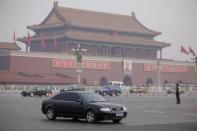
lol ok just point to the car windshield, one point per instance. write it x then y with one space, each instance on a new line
92 97
32 89
72 86
116 88
103 88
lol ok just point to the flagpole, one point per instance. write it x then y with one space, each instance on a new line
159 68
14 37
196 64
29 40
195 57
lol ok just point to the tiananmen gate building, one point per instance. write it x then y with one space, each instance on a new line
118 47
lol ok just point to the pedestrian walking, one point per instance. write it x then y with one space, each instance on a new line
177 94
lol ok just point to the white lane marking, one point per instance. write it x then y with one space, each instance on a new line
190 114
159 112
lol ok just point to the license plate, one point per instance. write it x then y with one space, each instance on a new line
119 113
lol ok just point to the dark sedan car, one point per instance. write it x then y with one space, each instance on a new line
36 91
84 105
109 90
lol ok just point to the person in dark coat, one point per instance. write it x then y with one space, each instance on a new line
177 94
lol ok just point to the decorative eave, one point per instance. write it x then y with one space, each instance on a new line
154 33
37 38
99 37
115 39
41 27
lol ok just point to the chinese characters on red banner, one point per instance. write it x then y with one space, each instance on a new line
59 63
167 68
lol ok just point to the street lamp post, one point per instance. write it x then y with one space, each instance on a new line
196 63
194 59
79 59
159 69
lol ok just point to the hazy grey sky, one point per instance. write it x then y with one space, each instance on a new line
176 19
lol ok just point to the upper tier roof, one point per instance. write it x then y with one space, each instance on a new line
60 16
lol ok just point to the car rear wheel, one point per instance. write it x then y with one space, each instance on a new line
50 114
91 116
117 121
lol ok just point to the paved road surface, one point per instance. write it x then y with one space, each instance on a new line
144 113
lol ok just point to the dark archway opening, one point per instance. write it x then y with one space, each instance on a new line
127 80
103 81
84 81
149 82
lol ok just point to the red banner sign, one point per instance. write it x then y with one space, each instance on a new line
59 63
167 68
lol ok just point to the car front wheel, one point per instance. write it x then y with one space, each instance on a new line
50 114
91 116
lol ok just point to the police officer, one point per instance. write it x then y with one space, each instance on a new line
177 94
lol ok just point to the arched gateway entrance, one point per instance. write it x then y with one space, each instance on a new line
127 80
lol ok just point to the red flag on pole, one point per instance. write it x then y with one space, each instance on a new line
14 37
183 50
42 40
29 39
192 51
